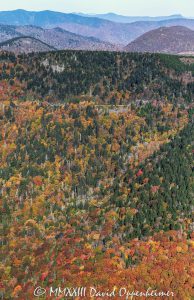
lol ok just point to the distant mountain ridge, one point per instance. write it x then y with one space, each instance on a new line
44 18
118 33
130 19
174 40
25 44
55 38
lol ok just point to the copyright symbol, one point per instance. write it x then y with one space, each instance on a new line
39 291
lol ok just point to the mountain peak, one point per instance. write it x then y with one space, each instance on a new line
175 40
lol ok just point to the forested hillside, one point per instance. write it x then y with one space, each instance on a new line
92 187
112 78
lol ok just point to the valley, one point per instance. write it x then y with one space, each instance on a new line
96 171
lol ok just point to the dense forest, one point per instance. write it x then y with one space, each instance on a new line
110 77
92 184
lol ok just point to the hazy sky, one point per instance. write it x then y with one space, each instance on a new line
125 7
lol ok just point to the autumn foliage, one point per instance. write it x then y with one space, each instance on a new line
93 194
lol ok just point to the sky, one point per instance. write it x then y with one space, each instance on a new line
124 7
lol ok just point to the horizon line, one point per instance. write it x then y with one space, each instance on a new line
96 14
